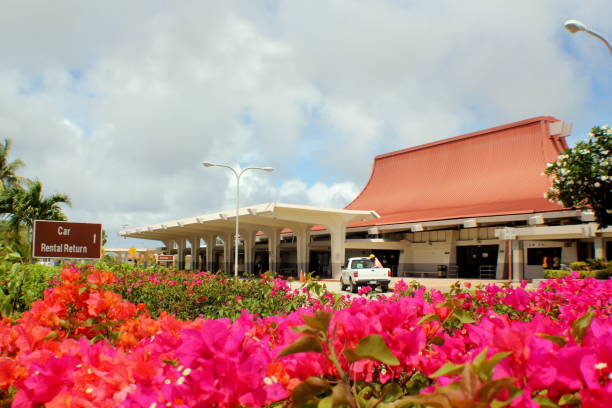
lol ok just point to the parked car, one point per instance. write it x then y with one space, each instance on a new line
361 272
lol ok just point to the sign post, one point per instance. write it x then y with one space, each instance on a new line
62 239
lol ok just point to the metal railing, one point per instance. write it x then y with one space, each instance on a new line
487 271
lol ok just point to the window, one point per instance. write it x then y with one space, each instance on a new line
363 264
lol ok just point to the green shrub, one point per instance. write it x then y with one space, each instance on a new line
604 273
556 273
189 295
579 266
23 284
598 263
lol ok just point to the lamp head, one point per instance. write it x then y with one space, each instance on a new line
207 164
267 169
573 26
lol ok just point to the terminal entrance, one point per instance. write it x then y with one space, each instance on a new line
388 258
477 261
320 264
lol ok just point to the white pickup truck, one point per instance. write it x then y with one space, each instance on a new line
361 272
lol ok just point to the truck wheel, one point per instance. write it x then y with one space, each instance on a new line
384 288
354 287
342 285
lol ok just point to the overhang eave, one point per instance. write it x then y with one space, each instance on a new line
254 218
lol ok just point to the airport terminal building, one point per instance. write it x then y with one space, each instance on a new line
471 206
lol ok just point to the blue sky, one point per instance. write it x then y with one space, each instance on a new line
116 104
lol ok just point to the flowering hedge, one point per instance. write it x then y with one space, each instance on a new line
83 345
184 294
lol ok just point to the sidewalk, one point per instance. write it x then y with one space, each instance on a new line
441 284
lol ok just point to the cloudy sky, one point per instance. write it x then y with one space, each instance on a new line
116 103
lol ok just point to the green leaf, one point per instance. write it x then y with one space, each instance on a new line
581 325
429 400
82 289
319 321
374 347
350 355
303 344
569 399
545 402
309 389
303 329
325 402
428 318
96 339
391 391
491 389
558 340
485 370
51 335
448 369
171 362
464 316
480 358
341 395
437 340
514 392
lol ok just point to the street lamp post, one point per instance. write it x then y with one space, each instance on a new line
574 26
238 175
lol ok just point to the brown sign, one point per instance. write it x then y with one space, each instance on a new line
165 258
61 239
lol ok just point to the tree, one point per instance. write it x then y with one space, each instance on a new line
24 205
7 170
582 176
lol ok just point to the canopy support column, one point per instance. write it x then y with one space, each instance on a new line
195 254
273 248
517 260
599 249
302 233
181 253
337 237
227 252
249 250
210 251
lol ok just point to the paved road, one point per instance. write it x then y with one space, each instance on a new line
430 283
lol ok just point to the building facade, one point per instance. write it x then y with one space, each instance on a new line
471 206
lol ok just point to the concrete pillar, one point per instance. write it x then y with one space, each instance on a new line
453 238
273 248
517 260
249 250
211 240
182 244
302 233
599 248
402 263
228 238
169 245
195 254
337 232
501 259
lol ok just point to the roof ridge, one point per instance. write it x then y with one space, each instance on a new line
469 135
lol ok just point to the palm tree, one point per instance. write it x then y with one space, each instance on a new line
7 170
24 206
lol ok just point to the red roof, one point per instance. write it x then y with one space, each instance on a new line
495 171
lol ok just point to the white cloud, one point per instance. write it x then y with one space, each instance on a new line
116 104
